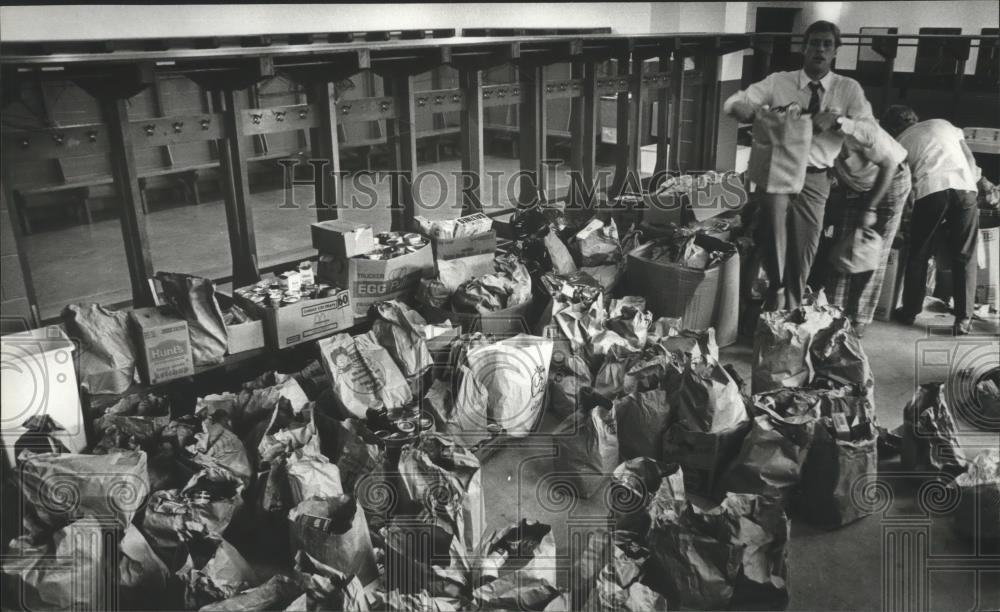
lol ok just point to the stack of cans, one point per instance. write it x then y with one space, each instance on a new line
395 244
275 293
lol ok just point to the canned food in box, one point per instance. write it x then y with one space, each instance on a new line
406 426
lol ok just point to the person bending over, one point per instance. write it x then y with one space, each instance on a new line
945 177
872 170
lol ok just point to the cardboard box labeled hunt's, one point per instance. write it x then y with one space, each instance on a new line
164 345
304 320
377 280
343 238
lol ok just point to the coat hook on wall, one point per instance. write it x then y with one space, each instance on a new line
205 123
178 127
279 115
257 118
150 129
92 136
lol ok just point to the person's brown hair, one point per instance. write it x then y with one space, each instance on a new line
822 26
897 118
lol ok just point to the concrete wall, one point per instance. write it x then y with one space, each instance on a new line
970 15
99 22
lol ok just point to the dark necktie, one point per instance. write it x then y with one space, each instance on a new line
814 100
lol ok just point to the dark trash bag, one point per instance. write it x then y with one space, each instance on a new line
834 468
979 496
39 437
642 419
587 449
929 433
194 298
774 451
730 557
107 355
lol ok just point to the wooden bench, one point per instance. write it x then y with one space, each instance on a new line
186 176
80 190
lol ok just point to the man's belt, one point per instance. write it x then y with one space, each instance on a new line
815 170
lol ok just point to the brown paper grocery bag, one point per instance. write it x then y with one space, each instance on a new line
780 150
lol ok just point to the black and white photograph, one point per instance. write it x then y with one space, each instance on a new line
552 306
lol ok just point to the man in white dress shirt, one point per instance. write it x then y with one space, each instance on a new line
791 225
945 184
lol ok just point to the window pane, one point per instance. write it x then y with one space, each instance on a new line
364 151
185 212
280 229
437 191
501 140
68 208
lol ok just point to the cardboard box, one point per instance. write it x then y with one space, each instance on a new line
39 378
703 456
892 286
302 321
242 337
377 280
466 246
988 276
672 290
682 208
164 345
502 226
343 238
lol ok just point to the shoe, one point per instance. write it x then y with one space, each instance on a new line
901 317
963 327
859 329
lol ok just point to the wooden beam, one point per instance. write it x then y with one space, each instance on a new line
120 82
662 121
233 155
583 131
763 50
326 145
635 124
9 205
272 120
676 112
531 128
708 109
235 75
176 130
627 126
133 219
473 155
402 137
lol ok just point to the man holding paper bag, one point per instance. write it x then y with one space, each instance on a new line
793 220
